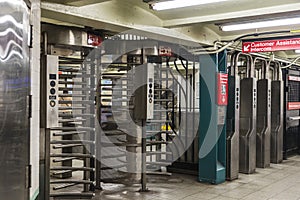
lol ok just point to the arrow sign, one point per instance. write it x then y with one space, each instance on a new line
246 48
271 45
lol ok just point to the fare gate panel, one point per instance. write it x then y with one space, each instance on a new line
263 123
247 155
232 126
259 126
277 122
277 101
263 129
233 117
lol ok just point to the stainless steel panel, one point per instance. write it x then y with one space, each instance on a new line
263 134
150 90
232 126
14 91
140 94
144 95
52 91
277 122
60 35
247 163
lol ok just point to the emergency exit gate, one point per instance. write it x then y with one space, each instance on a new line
291 79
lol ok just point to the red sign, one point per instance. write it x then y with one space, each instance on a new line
294 78
222 89
271 45
94 40
293 106
165 51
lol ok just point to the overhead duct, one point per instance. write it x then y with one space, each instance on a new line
164 34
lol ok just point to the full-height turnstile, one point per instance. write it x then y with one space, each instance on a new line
263 124
126 102
247 157
139 78
68 78
276 114
115 86
233 116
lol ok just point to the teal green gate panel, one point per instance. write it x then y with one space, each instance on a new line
212 131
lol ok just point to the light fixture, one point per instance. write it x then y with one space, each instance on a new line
297 51
260 24
166 5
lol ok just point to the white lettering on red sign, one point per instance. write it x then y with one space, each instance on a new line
271 45
293 106
222 89
165 51
294 78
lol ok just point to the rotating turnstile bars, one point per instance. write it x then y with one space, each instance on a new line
263 124
232 125
119 146
158 155
276 114
187 127
90 68
67 148
247 153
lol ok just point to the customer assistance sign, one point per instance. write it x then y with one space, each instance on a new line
271 45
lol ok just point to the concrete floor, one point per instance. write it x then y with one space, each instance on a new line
279 182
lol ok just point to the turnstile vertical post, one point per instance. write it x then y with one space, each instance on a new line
277 122
263 124
263 134
247 156
277 117
232 122
144 159
248 98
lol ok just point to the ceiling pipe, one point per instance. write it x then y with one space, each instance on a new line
292 63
